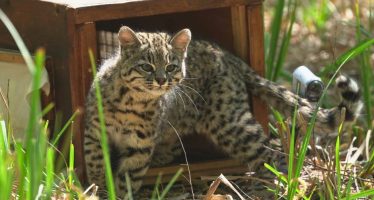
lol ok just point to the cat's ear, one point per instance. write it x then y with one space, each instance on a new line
127 37
181 40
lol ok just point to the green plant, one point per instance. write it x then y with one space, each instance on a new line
29 168
275 56
104 139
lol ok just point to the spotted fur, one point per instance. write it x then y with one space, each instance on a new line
207 92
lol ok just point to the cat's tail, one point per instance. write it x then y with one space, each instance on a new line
327 120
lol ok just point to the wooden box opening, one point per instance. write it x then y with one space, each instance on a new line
198 148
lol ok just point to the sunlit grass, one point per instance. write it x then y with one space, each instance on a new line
333 183
103 139
29 170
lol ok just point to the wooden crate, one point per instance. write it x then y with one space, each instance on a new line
67 29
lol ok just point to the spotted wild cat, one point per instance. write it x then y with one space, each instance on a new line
159 84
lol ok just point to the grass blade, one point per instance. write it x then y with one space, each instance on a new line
337 162
35 157
67 124
49 168
285 42
365 69
155 189
347 191
275 29
362 194
5 178
347 56
104 139
291 155
128 186
20 153
171 183
306 140
71 164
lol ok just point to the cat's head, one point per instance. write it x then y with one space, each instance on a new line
152 62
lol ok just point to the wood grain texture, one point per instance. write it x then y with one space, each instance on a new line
257 58
42 29
84 38
148 8
239 30
197 170
93 3
97 10
11 57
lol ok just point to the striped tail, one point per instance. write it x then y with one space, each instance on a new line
285 101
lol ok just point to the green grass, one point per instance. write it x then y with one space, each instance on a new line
32 168
104 139
317 13
276 52
365 69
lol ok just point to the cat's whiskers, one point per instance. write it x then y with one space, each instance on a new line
184 104
175 100
191 100
181 84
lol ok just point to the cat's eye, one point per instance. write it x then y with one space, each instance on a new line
146 67
171 68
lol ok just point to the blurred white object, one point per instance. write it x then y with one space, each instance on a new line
311 86
16 86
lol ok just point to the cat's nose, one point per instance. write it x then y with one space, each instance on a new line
161 81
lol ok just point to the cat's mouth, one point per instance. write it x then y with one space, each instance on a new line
157 87
160 88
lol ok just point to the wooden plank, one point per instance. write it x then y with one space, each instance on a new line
149 8
87 40
75 91
257 58
197 170
11 57
91 3
196 166
84 38
239 30
196 175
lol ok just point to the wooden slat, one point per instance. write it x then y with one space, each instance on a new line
11 57
88 40
81 37
85 39
239 30
148 8
91 3
257 58
197 170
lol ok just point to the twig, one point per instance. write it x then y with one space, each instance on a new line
215 184
185 156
